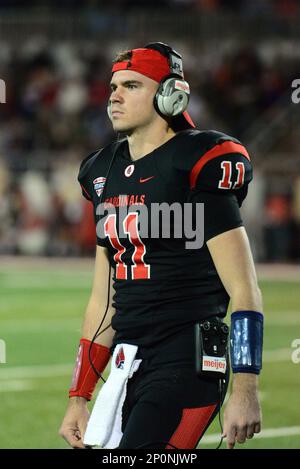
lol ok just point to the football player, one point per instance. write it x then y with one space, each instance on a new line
160 288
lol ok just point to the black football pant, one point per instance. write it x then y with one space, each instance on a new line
167 405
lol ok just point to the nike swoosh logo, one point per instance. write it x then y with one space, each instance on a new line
146 179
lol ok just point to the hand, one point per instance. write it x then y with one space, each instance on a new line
74 424
242 416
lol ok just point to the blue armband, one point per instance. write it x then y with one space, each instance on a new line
246 341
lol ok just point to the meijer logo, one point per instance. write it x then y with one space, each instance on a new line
2 351
214 364
2 91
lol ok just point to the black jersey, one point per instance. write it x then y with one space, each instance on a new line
161 286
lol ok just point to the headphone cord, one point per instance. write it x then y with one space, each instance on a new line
220 418
98 332
145 445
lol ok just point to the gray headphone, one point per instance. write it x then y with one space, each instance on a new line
173 94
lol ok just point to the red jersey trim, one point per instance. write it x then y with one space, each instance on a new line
86 192
191 427
218 150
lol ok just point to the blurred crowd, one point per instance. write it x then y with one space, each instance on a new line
55 114
287 8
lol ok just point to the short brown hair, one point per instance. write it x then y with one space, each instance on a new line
123 56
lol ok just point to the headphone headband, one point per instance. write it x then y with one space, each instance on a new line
174 58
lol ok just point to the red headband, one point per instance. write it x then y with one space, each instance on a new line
148 62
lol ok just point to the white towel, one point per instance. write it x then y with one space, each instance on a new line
104 426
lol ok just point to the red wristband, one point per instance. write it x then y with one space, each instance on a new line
84 377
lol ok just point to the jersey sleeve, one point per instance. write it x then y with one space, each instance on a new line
222 167
84 177
91 179
217 169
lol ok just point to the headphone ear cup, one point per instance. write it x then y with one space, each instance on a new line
172 97
108 109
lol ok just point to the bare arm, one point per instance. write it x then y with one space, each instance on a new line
75 421
98 300
232 257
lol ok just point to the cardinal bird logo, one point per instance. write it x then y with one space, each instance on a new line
120 359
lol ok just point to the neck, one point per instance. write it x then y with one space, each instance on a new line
141 142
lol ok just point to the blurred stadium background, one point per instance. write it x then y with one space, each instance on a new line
240 58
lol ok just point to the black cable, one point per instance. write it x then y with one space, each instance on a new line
105 329
98 332
220 386
156 443
220 419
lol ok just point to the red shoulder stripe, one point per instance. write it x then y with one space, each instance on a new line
84 189
218 150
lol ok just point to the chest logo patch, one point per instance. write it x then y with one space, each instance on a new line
129 170
99 185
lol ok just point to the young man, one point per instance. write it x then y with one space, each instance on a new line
162 288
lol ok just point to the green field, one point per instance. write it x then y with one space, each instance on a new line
41 310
